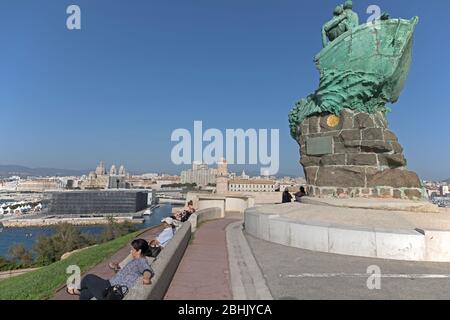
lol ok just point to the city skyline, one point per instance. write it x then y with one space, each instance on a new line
116 89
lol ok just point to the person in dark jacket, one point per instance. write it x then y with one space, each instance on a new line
93 286
300 194
287 197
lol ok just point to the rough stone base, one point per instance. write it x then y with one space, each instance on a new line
377 192
355 155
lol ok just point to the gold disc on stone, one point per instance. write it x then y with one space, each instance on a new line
333 121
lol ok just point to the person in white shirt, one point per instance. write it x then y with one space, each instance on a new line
160 241
164 237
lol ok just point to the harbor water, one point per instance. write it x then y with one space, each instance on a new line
28 236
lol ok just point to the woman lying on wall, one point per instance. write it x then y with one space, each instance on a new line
166 235
116 288
184 214
155 245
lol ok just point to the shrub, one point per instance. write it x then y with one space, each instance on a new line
20 256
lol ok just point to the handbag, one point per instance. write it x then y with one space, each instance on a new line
153 251
116 292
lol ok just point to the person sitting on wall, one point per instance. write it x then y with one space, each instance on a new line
184 214
155 245
166 235
287 197
93 286
299 195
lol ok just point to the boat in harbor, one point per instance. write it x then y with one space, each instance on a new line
149 211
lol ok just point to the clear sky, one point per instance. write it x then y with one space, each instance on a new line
137 70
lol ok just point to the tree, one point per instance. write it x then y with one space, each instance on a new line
66 239
5 264
114 230
20 255
47 250
70 237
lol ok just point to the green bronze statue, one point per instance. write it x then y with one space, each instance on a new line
360 69
352 17
346 146
345 19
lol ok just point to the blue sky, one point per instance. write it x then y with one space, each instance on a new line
137 70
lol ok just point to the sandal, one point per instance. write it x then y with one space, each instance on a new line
72 291
114 266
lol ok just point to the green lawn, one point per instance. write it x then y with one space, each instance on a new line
41 284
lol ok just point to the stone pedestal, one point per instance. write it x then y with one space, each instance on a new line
355 155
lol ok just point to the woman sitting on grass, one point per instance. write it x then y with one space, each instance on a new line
93 286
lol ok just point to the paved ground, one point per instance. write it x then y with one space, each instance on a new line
325 215
203 273
247 281
293 273
103 270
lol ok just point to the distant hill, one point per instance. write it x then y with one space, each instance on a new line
23 172
447 181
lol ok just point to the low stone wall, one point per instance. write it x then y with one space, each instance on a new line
228 202
260 198
394 244
164 266
212 202
204 215
168 260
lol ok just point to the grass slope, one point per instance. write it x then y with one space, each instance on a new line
42 284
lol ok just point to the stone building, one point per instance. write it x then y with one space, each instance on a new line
200 174
40 185
222 177
100 179
252 185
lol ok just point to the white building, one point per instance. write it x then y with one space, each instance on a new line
244 176
40 185
9 185
149 175
444 190
253 185
151 197
200 174
284 185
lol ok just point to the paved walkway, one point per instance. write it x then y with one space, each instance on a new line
247 280
293 273
102 269
203 273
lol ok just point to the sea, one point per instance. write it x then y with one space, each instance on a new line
28 236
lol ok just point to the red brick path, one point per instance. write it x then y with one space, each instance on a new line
203 273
